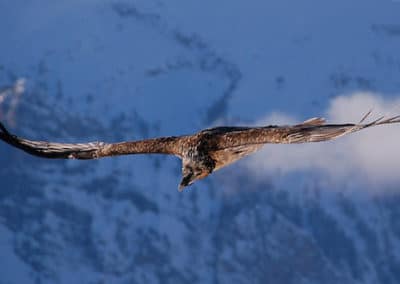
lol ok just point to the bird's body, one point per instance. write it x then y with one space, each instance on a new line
201 153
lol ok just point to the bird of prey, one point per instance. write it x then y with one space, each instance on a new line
202 153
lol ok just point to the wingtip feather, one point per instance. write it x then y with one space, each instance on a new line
380 120
365 116
3 128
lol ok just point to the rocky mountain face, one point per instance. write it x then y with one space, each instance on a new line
122 70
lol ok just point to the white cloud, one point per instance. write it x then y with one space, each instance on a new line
371 156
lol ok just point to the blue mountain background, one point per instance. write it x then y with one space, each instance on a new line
76 71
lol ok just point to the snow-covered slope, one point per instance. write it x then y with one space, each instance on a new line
119 70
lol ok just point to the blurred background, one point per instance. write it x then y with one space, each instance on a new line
77 71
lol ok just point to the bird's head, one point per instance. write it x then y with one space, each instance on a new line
191 173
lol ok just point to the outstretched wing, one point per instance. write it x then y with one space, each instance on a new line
312 130
92 150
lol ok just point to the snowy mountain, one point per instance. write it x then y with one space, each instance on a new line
122 70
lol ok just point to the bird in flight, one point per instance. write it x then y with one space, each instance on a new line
202 153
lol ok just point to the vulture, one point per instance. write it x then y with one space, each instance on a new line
203 152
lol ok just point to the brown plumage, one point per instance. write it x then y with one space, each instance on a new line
201 153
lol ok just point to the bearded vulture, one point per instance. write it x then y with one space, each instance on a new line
202 153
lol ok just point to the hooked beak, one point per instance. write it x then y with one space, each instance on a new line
189 179
186 180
